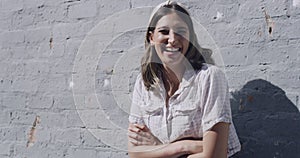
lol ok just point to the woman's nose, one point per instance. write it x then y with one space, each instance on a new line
171 37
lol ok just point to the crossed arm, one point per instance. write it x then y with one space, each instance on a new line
142 143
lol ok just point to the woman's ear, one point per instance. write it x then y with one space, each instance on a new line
151 37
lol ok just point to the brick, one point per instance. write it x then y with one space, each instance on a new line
40 52
22 19
79 153
38 150
50 13
39 35
18 68
22 117
294 98
12 37
8 134
67 137
36 68
119 154
294 8
227 12
236 79
83 10
107 8
5 55
7 5
120 138
7 70
71 31
105 68
25 84
91 141
5 149
4 117
91 119
238 32
57 50
55 120
136 3
53 83
249 10
83 84
63 101
14 100
5 22
230 53
279 8
72 47
80 113
25 68
73 120
61 65
290 30
5 83
290 79
17 52
33 3
14 134
40 101
43 135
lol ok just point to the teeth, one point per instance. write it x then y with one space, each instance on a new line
173 49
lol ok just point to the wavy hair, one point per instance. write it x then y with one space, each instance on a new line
151 65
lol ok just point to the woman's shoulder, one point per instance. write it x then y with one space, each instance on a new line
139 80
208 70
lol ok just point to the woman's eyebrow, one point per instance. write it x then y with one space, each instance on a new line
163 27
182 27
177 28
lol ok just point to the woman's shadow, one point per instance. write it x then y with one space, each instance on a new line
267 122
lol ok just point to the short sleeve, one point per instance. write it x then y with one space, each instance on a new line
135 115
215 98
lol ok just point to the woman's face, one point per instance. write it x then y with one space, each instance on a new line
171 39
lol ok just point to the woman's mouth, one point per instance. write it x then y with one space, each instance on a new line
172 51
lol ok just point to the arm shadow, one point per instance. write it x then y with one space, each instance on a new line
267 122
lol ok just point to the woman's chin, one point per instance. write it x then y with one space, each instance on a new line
173 62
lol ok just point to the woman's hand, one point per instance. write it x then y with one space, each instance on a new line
141 135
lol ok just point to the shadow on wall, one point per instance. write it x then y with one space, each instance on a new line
267 122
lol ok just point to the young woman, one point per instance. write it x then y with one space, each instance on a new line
180 105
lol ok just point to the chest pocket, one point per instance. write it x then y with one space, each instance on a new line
187 108
185 113
153 114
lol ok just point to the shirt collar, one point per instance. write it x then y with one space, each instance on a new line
187 78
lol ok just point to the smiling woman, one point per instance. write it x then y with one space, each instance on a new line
180 105
170 39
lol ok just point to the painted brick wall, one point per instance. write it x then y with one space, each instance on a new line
68 67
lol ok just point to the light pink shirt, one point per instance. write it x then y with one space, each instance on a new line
201 101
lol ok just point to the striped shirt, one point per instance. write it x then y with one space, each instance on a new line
200 102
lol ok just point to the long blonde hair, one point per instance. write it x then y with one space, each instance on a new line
151 65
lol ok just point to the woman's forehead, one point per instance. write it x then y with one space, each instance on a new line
171 20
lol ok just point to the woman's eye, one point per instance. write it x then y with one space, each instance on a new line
181 32
164 32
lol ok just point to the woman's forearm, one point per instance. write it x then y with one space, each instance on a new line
171 150
157 151
214 145
197 155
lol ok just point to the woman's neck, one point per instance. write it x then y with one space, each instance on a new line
172 78
174 74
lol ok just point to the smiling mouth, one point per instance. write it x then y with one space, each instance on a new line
173 50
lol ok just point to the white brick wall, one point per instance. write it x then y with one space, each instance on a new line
39 41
